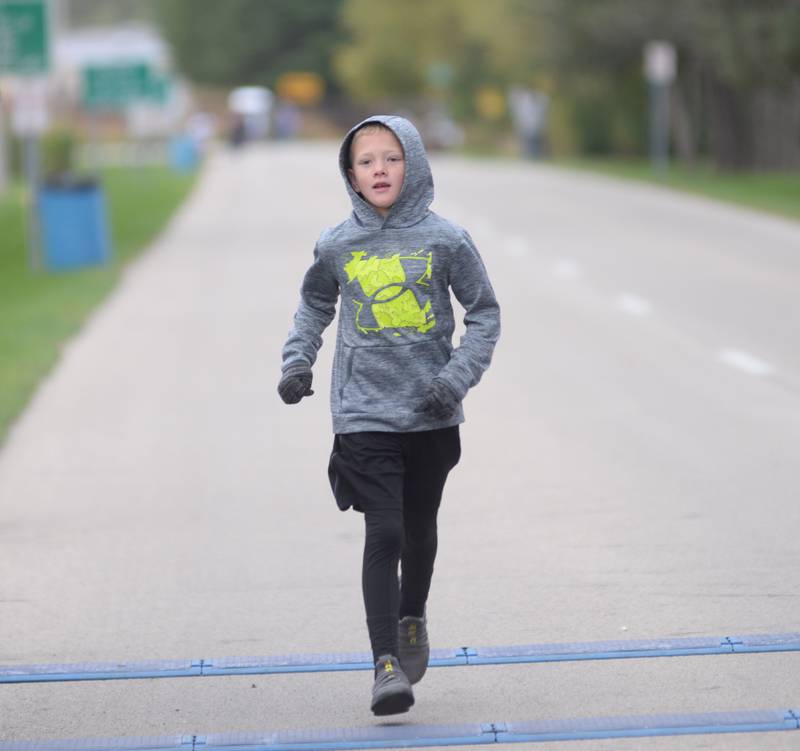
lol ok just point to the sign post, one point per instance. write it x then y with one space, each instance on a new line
659 66
25 51
29 121
3 151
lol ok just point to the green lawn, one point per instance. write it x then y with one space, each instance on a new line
39 311
776 192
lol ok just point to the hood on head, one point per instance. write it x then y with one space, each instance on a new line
416 195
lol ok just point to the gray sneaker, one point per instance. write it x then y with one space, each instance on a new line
391 692
413 647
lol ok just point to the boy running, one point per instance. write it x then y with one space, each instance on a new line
397 383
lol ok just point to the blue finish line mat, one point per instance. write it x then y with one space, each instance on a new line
305 663
407 736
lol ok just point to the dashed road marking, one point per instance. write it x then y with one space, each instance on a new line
635 305
745 362
567 268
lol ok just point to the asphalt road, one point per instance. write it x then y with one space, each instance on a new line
629 468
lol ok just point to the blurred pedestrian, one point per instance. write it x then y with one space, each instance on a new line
237 133
529 114
200 128
398 383
287 120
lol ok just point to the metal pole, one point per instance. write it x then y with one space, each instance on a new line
660 66
3 152
659 127
31 159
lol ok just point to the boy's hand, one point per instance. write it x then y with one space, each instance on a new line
294 386
439 401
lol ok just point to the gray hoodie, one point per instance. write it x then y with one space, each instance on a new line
394 275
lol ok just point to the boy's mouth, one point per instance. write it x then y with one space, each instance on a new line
378 186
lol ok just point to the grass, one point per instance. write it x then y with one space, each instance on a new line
39 311
775 192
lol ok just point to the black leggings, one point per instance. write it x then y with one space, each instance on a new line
397 480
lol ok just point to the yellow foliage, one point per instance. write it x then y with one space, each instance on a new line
490 102
394 44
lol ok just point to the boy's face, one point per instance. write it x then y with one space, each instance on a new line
378 168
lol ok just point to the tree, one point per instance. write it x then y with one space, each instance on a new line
415 47
738 84
239 42
80 13
745 57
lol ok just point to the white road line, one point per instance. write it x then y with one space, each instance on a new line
566 268
633 304
745 362
516 246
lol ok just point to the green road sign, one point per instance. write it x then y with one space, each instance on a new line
159 88
113 87
23 37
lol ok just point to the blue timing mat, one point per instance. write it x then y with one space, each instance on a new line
306 663
409 736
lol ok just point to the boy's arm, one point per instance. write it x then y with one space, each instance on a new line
318 295
472 288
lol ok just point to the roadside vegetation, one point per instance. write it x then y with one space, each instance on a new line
775 192
39 311
734 97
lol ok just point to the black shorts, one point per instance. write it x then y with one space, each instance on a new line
379 469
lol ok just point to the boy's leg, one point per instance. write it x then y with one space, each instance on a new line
429 457
372 465
383 545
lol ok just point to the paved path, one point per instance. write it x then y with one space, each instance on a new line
629 467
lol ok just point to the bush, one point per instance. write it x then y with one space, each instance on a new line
606 120
57 153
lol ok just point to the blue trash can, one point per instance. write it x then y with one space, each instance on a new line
184 155
72 215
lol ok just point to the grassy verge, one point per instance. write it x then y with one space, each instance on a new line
775 192
39 311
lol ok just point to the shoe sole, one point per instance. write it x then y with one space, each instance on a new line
393 704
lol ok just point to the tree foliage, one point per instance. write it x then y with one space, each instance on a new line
736 96
235 42
738 82
402 49
739 65
81 13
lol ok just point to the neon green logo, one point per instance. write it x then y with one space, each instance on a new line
389 300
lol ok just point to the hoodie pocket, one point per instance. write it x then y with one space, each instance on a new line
391 379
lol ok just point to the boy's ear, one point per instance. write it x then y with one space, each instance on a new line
352 176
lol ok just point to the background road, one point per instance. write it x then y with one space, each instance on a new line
629 467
